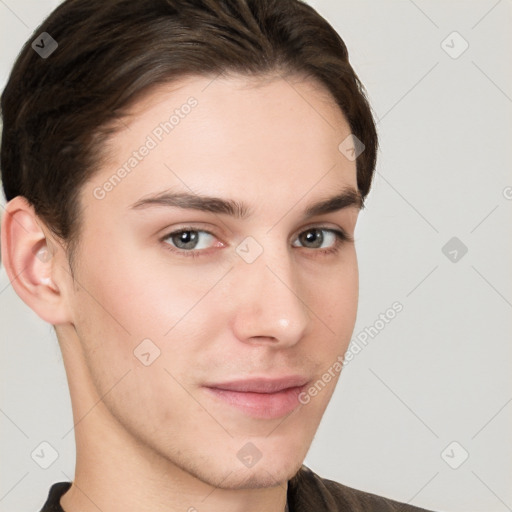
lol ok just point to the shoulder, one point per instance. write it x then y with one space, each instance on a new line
309 492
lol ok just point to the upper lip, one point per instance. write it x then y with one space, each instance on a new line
261 384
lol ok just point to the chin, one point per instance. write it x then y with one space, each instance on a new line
264 474
267 472
260 477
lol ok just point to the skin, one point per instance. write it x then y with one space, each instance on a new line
151 437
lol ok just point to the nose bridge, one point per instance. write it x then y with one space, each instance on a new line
268 303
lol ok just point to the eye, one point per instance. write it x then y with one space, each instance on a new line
189 240
327 239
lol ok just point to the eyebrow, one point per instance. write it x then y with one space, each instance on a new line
348 197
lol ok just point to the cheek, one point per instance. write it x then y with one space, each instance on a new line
141 328
334 295
140 293
136 304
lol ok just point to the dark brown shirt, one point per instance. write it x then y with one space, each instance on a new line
307 492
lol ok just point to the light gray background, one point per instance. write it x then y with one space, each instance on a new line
441 370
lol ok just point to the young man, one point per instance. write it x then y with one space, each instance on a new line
184 179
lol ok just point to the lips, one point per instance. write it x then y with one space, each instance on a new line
262 385
263 398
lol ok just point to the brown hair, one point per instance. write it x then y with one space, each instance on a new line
59 110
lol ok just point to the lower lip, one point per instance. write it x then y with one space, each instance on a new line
261 405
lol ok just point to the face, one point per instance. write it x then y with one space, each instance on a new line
214 330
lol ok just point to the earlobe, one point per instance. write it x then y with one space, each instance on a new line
30 261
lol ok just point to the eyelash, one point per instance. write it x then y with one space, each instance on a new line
341 238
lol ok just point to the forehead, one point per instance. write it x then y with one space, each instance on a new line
269 141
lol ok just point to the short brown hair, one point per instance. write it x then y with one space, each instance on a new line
58 111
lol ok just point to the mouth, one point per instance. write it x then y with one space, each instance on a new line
262 398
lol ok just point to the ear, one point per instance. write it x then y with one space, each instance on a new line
33 261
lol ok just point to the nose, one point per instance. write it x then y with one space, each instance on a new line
269 305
